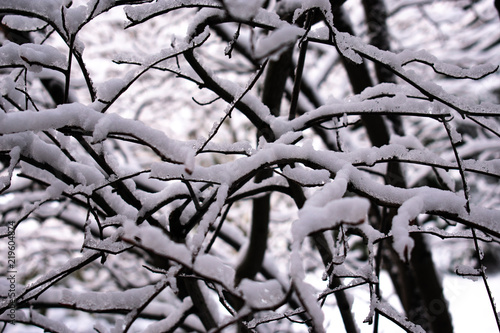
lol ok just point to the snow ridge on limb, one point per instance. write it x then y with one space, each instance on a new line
91 121
184 227
325 210
355 49
323 5
65 19
33 56
436 201
401 240
140 13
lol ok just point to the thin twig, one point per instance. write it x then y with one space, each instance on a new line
461 168
300 68
233 104
134 314
482 272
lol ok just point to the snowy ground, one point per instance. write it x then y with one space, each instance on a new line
469 306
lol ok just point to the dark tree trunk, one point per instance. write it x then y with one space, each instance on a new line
418 286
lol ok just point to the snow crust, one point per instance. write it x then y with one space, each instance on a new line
169 323
434 200
242 9
22 23
401 240
206 265
128 299
90 120
308 177
148 10
468 272
313 218
323 5
278 41
267 294
32 56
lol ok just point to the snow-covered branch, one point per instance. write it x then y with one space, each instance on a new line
142 161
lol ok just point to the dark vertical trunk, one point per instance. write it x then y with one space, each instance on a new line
419 288
274 86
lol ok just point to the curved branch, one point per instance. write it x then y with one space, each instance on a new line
256 115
